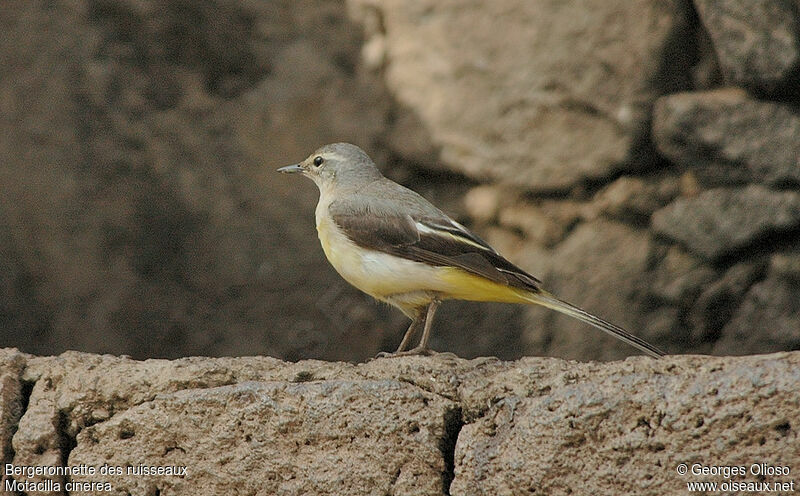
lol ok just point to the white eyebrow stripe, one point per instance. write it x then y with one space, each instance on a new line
427 229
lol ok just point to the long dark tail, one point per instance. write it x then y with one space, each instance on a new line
547 300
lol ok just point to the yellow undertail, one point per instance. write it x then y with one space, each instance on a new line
463 285
466 286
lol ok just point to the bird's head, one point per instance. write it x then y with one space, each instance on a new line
336 164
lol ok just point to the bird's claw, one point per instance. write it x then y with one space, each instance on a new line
418 351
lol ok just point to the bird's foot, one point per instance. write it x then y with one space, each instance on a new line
413 351
418 351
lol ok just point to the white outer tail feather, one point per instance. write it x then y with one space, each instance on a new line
549 301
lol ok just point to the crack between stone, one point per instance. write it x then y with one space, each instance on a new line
25 391
92 422
453 423
66 443
409 381
769 242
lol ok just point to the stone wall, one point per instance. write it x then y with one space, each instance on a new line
653 148
416 425
641 157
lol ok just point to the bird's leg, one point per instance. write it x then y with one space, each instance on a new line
416 322
424 316
422 347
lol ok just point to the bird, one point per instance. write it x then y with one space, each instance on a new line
396 246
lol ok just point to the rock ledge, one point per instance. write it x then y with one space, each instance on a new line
416 425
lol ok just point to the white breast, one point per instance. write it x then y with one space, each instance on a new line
378 274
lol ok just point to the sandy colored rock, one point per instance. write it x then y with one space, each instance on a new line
679 277
757 43
482 202
328 437
718 300
726 136
142 214
565 98
76 390
407 426
595 268
142 211
539 225
11 398
720 221
587 432
771 306
631 198
787 264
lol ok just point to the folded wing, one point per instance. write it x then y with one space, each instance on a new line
428 237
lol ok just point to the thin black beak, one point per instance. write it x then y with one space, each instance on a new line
290 169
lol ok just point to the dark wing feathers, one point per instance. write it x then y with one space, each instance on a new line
456 229
435 240
375 231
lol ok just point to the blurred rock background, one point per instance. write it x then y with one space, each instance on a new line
642 157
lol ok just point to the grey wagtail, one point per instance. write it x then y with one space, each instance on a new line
394 245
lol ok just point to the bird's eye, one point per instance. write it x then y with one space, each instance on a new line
318 161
